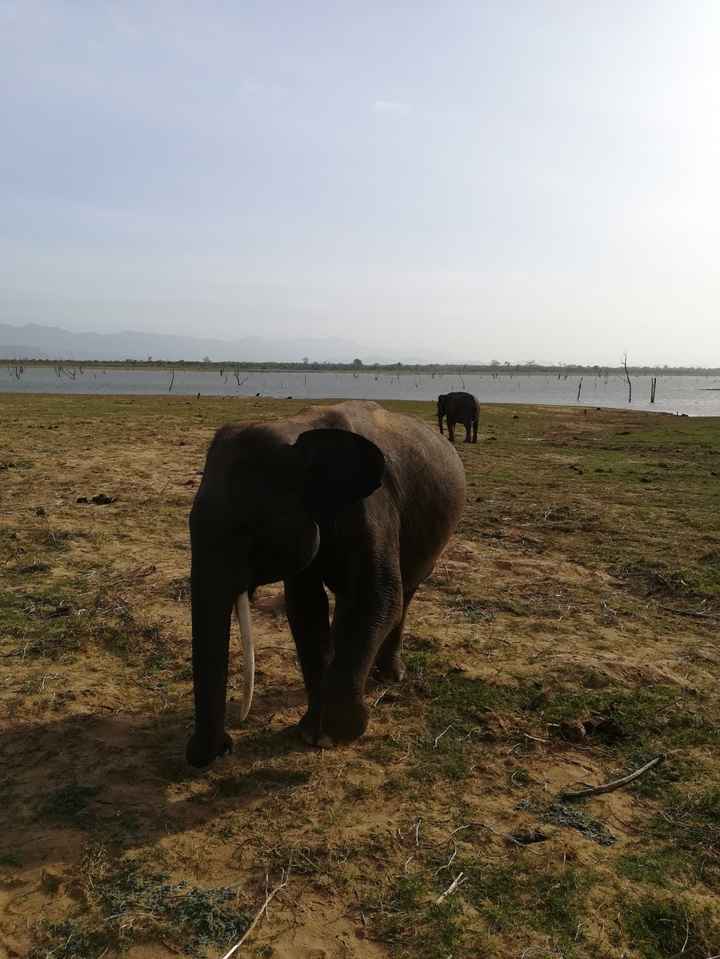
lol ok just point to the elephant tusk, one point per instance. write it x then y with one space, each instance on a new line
242 611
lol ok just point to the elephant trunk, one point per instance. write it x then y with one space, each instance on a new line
213 596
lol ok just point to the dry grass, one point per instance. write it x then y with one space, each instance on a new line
569 633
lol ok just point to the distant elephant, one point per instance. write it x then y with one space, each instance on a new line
459 408
349 497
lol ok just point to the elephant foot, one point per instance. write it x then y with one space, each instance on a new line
199 754
345 720
390 671
311 732
337 722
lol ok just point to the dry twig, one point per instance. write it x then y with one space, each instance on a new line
615 784
258 915
457 881
448 863
438 738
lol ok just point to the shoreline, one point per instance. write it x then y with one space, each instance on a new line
330 400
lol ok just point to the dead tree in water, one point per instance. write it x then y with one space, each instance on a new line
653 387
172 382
579 390
627 376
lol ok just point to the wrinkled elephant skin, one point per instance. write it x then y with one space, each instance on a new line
350 498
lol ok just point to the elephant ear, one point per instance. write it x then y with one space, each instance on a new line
342 468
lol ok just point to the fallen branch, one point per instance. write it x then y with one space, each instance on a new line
615 784
268 899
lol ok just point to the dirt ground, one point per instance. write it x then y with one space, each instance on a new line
570 633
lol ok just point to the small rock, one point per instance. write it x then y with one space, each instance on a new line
573 732
607 728
527 838
102 499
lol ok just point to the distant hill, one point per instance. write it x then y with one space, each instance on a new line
33 341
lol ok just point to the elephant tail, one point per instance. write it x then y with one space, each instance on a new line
242 611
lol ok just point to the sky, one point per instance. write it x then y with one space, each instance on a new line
468 181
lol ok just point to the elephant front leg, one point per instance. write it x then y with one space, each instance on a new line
361 625
307 610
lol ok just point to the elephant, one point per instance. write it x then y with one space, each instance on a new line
459 408
349 498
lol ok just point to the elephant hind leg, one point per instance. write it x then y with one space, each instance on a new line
389 666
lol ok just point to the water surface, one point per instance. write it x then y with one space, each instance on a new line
693 395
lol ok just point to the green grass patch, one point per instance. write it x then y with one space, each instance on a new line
660 866
128 904
523 895
651 718
668 928
689 826
408 918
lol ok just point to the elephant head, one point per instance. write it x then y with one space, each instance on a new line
441 409
256 519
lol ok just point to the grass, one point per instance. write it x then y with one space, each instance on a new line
69 803
138 904
568 634
662 928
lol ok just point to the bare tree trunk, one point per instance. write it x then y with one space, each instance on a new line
579 389
627 376
172 382
653 387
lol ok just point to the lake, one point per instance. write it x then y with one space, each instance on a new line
693 395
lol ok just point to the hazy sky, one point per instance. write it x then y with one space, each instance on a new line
510 180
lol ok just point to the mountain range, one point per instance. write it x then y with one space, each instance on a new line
34 341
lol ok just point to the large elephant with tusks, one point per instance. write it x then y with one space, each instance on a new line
459 408
348 498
